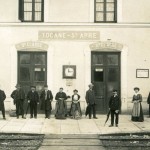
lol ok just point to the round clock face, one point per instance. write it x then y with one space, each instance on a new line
69 72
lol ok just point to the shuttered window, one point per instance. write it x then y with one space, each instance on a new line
31 10
106 11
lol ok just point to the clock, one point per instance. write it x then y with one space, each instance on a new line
69 71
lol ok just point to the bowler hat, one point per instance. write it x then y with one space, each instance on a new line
136 88
32 86
75 90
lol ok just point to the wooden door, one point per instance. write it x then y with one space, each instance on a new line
32 70
105 75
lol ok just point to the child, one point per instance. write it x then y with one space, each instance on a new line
114 105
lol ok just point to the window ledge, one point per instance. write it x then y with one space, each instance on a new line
105 25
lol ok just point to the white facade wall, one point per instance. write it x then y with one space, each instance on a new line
132 31
81 11
74 53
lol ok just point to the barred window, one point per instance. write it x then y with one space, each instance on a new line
106 11
31 10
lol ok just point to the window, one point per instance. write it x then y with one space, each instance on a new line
31 10
105 11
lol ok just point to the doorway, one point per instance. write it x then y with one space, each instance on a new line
105 75
32 70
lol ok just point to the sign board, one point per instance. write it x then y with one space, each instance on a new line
69 35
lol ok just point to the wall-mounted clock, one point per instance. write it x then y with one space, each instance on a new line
69 71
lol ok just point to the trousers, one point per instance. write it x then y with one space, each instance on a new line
33 109
92 109
116 115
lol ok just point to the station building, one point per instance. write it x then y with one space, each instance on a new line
71 43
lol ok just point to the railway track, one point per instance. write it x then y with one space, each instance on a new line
20 141
75 142
135 141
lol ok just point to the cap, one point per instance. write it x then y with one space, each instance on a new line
18 85
45 85
114 90
91 85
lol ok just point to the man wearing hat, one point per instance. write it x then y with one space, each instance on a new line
2 98
46 98
33 100
19 96
91 101
114 106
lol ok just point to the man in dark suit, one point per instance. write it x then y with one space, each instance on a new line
19 96
148 102
91 101
46 98
114 106
33 100
2 98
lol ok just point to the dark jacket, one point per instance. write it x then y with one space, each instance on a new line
90 97
61 95
148 99
33 96
2 98
18 95
46 103
114 103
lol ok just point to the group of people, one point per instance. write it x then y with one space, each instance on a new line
46 98
61 111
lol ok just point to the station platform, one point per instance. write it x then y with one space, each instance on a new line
71 126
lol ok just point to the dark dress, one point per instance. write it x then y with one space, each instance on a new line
2 98
19 97
33 97
75 107
137 112
46 99
61 106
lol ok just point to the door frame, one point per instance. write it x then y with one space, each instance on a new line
108 46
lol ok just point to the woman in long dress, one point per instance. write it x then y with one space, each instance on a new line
137 112
75 106
61 107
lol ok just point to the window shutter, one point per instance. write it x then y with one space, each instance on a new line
20 14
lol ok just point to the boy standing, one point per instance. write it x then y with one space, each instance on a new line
114 105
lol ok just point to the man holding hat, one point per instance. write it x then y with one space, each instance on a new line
114 106
33 100
91 101
19 96
46 98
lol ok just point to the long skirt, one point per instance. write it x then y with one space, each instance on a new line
61 109
137 113
76 110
